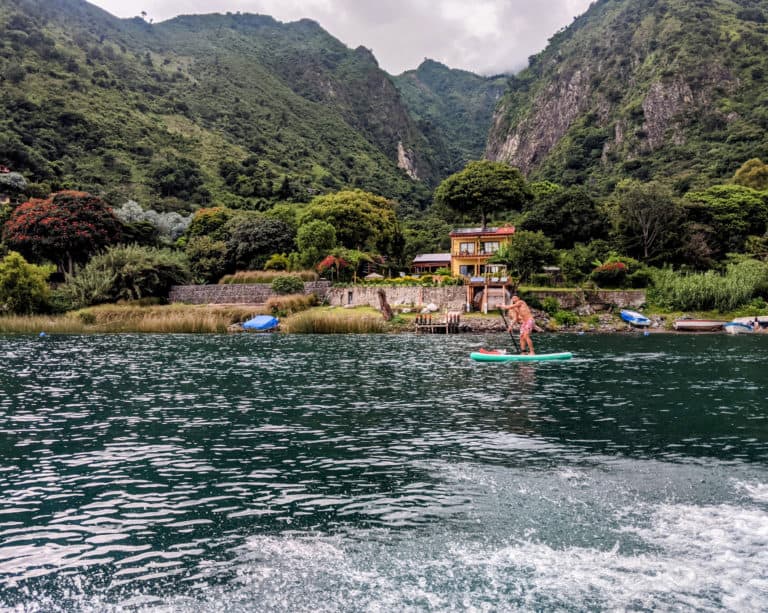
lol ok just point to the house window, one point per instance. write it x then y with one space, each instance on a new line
490 246
350 297
466 248
466 270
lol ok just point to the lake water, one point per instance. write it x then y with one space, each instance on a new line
382 473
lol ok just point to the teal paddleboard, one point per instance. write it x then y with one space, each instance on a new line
499 356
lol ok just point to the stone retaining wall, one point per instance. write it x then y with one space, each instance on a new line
236 293
454 298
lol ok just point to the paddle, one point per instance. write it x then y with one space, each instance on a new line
506 325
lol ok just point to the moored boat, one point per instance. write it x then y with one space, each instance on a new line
262 323
698 325
738 327
634 318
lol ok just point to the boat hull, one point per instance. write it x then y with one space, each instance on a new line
736 327
634 318
498 356
698 325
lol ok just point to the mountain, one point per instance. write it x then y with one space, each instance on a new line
670 89
453 108
234 109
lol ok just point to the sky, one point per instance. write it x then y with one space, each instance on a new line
482 36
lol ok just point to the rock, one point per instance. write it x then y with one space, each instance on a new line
432 308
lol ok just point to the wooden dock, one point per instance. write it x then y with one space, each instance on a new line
442 324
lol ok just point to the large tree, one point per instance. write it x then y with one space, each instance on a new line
753 173
315 239
362 220
647 219
525 253
67 227
568 217
482 189
725 215
253 240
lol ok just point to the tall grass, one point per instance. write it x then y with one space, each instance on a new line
34 324
265 276
131 318
282 306
334 322
710 290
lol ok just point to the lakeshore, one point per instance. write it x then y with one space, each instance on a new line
222 318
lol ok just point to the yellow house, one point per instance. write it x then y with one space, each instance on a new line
471 248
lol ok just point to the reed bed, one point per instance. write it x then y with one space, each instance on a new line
266 276
282 306
178 319
334 322
35 324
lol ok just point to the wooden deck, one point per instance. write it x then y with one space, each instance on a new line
438 324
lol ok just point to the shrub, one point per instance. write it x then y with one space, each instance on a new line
566 318
550 305
23 287
127 272
287 284
610 274
278 261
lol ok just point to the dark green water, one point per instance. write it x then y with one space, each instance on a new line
382 473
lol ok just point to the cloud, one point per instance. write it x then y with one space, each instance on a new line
483 36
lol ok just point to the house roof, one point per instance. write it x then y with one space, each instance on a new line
502 231
432 257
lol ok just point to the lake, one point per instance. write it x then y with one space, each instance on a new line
382 473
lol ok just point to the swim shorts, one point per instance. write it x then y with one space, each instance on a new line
527 326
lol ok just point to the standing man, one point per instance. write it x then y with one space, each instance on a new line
520 313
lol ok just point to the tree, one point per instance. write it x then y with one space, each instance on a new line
207 258
568 217
484 188
253 240
725 215
648 219
65 228
362 220
23 286
753 173
315 239
526 253
210 222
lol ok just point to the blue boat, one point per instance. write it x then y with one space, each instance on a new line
634 318
262 323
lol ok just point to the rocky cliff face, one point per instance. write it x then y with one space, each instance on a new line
640 89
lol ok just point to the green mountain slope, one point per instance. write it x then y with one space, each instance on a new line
233 109
453 108
653 88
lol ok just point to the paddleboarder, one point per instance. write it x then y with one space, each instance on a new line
520 312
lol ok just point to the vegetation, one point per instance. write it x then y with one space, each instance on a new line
66 227
482 189
129 272
23 286
335 322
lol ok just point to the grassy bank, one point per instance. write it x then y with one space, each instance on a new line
175 318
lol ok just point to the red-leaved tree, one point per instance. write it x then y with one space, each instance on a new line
65 228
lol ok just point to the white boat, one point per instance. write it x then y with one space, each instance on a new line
634 318
746 325
738 327
698 325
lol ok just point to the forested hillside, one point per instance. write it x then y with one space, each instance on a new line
453 109
233 109
653 89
